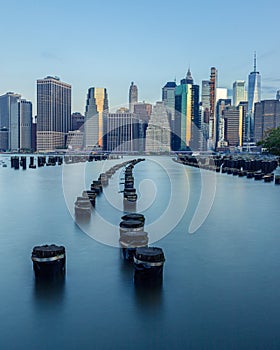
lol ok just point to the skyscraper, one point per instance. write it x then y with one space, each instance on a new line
9 118
238 92
278 95
267 117
168 98
158 131
142 111
254 95
122 132
212 117
96 107
133 96
25 125
53 113
186 111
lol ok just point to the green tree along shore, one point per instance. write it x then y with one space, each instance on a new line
272 141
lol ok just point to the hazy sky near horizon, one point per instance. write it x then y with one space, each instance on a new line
109 44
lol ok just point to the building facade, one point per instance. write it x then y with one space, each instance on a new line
158 131
267 117
122 132
25 125
53 113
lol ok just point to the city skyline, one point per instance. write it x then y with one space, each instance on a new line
122 49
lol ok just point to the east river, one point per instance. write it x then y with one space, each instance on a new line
221 282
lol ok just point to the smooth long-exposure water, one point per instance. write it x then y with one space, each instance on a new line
221 283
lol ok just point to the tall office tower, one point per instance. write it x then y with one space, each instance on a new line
278 95
267 117
168 97
205 100
186 109
133 96
25 125
96 109
243 110
9 118
77 121
196 141
238 92
142 111
221 105
158 131
53 113
212 117
122 132
232 126
254 95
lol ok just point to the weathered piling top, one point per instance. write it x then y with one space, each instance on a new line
133 216
47 251
149 254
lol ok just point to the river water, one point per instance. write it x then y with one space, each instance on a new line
221 284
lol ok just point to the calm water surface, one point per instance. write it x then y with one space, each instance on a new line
221 284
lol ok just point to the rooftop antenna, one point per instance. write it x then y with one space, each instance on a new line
255 61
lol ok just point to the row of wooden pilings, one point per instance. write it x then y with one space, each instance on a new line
257 168
49 260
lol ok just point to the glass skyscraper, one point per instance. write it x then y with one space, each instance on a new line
254 95
96 106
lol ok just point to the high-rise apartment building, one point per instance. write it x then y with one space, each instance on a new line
53 113
254 96
238 92
96 109
158 131
267 117
77 121
132 97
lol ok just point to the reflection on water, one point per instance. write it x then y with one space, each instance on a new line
49 291
148 296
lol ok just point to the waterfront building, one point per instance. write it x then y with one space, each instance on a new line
122 130
267 117
53 113
4 139
132 96
233 124
75 140
25 125
158 130
254 96
238 92
34 135
96 110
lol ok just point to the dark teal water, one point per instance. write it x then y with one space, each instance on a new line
221 284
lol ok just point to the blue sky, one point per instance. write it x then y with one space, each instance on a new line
111 43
